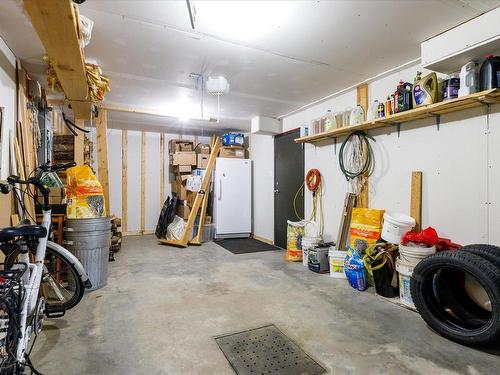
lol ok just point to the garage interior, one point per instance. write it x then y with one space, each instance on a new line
249 187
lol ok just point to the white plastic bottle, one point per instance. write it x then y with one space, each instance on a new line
469 79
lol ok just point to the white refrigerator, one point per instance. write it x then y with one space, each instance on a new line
233 198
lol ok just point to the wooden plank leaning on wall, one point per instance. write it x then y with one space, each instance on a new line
362 100
162 169
102 155
416 199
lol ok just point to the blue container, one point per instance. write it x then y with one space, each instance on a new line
233 139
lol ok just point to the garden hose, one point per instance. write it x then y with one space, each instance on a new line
356 158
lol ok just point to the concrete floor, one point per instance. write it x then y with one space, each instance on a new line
163 306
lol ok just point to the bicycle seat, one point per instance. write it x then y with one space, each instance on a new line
22 230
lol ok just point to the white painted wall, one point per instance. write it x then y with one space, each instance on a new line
8 103
115 171
262 155
460 164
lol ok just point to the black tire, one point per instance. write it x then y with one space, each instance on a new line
454 297
488 252
452 326
72 279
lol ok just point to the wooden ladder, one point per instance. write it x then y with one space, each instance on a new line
200 202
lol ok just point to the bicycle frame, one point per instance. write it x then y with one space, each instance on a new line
32 279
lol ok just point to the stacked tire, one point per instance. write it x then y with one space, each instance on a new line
457 293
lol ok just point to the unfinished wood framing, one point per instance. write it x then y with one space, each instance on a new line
102 155
362 100
162 169
79 143
143 182
124 181
416 199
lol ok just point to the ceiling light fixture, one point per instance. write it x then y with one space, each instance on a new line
217 86
192 12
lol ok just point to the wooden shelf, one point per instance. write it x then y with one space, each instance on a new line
431 110
55 24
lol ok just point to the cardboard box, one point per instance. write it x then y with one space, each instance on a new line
232 152
177 145
202 161
183 211
182 169
184 158
180 190
191 196
202 148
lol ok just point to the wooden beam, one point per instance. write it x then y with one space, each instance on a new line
416 199
54 22
362 100
124 181
102 155
79 143
143 182
162 169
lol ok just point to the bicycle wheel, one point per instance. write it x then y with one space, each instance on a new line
61 286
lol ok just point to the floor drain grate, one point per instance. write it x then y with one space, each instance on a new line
265 351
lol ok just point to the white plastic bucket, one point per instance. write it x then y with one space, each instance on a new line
405 270
412 254
395 226
336 259
308 243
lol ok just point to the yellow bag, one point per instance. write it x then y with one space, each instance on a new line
84 194
366 224
294 234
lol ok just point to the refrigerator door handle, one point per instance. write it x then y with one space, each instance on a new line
219 196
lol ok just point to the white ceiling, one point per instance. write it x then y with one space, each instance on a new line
277 55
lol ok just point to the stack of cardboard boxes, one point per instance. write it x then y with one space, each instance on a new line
186 161
234 151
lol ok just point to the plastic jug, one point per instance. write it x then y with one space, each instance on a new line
357 115
489 75
469 79
425 90
451 87
372 111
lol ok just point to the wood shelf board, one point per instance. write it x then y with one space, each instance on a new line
431 110
81 109
54 23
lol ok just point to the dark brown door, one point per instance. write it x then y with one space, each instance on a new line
288 177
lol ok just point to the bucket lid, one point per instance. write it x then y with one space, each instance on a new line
398 218
337 253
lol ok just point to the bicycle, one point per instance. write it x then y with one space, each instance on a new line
39 278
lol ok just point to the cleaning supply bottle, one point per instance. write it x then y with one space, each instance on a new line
388 106
451 87
469 79
489 75
425 90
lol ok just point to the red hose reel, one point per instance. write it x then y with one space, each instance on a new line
313 179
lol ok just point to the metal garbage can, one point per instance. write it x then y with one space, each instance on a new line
89 240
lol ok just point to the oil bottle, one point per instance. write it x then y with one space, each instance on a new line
425 90
402 97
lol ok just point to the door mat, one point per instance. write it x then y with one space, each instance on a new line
266 350
245 245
